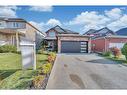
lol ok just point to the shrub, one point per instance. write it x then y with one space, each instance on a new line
8 48
38 81
108 53
40 52
46 68
51 57
124 50
52 54
116 52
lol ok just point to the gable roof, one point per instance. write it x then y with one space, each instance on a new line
90 31
105 30
100 33
60 30
122 31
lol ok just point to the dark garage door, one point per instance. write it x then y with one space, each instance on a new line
74 47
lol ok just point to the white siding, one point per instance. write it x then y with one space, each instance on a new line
2 24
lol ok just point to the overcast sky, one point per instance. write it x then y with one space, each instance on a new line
76 18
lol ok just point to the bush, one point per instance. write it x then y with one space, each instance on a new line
40 52
108 53
52 54
38 81
46 68
51 57
116 52
8 48
124 50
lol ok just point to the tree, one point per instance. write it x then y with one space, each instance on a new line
124 50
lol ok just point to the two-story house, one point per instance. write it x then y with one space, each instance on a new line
67 41
51 36
15 30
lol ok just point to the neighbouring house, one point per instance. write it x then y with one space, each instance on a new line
90 32
103 39
67 41
99 33
15 30
103 44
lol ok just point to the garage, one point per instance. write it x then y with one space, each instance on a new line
73 43
74 46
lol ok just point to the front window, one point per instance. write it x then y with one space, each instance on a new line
16 25
52 34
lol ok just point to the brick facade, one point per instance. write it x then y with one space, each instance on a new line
102 44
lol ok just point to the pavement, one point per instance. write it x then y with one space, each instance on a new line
86 71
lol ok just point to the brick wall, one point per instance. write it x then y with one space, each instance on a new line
102 45
98 45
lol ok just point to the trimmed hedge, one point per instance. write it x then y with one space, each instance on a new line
19 80
108 53
8 48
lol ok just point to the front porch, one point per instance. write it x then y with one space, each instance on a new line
51 43
10 37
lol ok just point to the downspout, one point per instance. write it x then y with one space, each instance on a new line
105 44
89 45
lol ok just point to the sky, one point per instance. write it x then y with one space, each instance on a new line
76 18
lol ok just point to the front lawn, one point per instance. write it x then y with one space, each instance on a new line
18 80
120 60
11 75
10 61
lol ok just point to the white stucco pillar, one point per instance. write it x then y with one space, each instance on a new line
59 45
89 45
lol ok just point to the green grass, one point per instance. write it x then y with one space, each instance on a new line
41 59
18 80
11 73
9 61
118 60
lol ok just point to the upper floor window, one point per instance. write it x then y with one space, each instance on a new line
2 24
52 34
16 25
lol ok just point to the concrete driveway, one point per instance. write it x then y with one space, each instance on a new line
86 71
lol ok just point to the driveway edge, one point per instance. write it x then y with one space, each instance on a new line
50 76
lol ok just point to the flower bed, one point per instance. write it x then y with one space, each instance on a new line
40 81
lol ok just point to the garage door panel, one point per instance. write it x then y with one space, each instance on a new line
73 47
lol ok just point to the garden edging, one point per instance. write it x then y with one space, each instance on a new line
52 71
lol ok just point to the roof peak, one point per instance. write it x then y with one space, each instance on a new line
57 26
105 28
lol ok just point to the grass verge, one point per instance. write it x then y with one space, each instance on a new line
11 75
